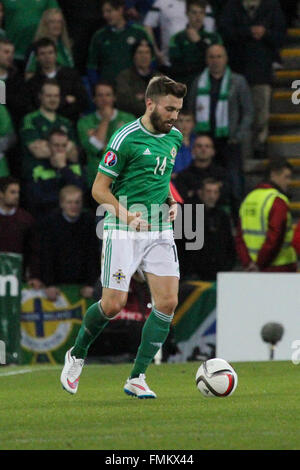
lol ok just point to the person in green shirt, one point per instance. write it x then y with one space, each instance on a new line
188 47
95 129
110 50
7 138
36 128
21 21
52 26
137 165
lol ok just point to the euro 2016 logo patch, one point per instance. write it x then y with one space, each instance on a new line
110 159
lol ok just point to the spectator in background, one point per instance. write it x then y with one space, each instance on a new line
52 26
7 139
16 99
137 9
203 166
95 129
253 31
70 249
21 21
170 18
73 95
37 126
265 231
222 103
110 50
131 83
52 175
186 124
18 233
187 48
83 20
218 252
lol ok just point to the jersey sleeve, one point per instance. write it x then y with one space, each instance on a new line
113 159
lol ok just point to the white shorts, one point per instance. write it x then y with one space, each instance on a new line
124 253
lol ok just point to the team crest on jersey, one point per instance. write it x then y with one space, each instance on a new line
173 152
119 276
110 159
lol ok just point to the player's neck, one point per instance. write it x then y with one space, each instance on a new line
145 120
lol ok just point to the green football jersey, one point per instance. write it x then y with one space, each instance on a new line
140 164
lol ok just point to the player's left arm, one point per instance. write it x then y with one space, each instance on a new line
172 203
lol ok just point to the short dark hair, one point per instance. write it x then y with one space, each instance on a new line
44 42
210 180
161 85
277 165
49 81
6 41
104 83
6 181
198 3
142 42
115 4
57 131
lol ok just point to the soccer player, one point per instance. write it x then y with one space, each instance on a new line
133 183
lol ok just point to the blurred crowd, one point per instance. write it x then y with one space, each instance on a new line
77 71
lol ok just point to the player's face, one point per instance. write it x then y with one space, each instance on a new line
50 97
55 25
10 198
46 56
72 205
210 194
216 59
196 16
112 16
104 96
164 113
6 55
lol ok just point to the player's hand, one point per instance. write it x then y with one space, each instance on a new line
135 221
172 211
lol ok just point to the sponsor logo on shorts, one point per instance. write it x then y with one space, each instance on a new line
110 159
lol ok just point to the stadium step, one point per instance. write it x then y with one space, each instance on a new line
285 120
290 58
293 36
281 101
282 145
285 77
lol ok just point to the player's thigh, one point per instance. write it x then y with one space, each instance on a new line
164 292
120 259
112 301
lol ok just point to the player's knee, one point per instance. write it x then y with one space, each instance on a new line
113 307
167 305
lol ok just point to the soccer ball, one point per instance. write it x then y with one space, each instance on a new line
216 378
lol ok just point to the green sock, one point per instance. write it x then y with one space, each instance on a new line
154 334
93 323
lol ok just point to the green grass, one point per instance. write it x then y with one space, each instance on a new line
263 413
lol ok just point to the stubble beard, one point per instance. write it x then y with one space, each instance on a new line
158 124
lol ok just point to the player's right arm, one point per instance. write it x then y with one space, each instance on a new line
102 194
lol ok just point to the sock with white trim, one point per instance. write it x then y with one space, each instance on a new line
154 334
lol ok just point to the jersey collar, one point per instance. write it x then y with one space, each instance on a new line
143 128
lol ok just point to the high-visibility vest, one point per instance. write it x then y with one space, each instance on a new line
254 216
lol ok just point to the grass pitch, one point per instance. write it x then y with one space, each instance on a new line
263 413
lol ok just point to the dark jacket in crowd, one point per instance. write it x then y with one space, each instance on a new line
70 250
17 101
189 181
70 84
19 234
248 56
218 252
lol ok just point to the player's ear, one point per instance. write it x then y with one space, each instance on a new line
150 104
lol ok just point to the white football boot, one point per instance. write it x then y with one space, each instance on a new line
71 372
137 387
